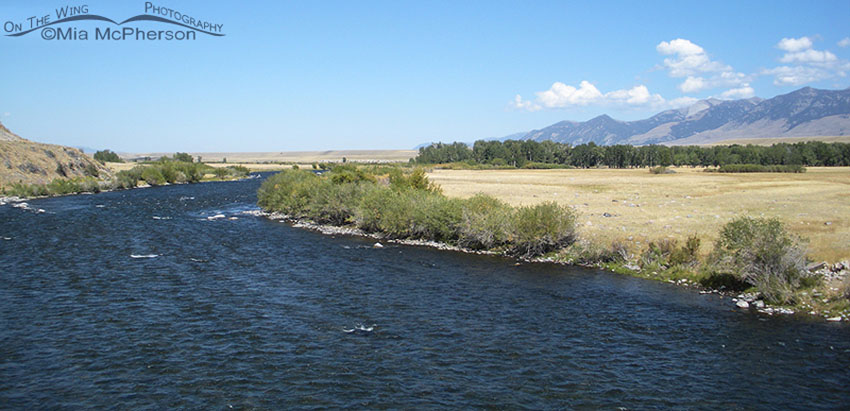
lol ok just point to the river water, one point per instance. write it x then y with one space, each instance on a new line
250 313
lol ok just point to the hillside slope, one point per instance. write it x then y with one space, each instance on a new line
24 161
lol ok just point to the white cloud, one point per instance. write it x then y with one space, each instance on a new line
7 114
797 75
804 64
808 56
688 58
692 84
679 46
844 42
561 95
793 45
736 93
691 61
521 104
637 95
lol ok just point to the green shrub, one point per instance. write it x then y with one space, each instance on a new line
183 157
238 171
349 173
61 186
409 206
288 192
658 253
26 190
194 172
660 170
544 166
760 252
91 170
416 180
434 216
89 185
128 178
220 172
666 253
372 208
688 254
168 172
539 229
585 253
334 203
758 168
153 176
485 223
107 155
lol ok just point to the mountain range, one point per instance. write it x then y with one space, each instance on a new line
806 112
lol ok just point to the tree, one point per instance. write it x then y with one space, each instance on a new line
184 157
107 156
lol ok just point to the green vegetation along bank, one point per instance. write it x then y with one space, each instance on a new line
757 258
163 171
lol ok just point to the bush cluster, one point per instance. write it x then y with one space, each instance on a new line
758 168
59 186
107 155
760 252
660 170
667 253
409 206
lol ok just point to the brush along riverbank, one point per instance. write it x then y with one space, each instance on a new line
161 172
756 258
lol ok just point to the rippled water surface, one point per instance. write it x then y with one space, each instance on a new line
251 313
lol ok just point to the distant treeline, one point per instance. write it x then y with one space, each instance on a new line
533 154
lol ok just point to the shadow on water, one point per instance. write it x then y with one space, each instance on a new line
138 298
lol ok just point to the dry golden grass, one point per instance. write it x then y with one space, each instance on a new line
645 207
37 163
788 140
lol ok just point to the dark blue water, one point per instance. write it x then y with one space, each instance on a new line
251 313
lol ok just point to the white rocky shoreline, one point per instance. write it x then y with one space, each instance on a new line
745 301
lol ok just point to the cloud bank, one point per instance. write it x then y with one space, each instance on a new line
801 62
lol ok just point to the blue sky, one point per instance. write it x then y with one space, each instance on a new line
322 75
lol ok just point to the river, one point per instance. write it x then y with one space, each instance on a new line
137 299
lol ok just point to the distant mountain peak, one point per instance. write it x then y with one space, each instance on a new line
804 112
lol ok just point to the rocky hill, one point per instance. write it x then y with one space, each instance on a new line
6 135
24 161
806 112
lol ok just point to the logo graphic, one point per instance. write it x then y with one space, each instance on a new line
58 28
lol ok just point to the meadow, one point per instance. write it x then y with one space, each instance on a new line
633 206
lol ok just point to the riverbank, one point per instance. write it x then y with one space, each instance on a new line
748 255
160 173
750 300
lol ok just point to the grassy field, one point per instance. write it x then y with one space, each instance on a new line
787 140
642 207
